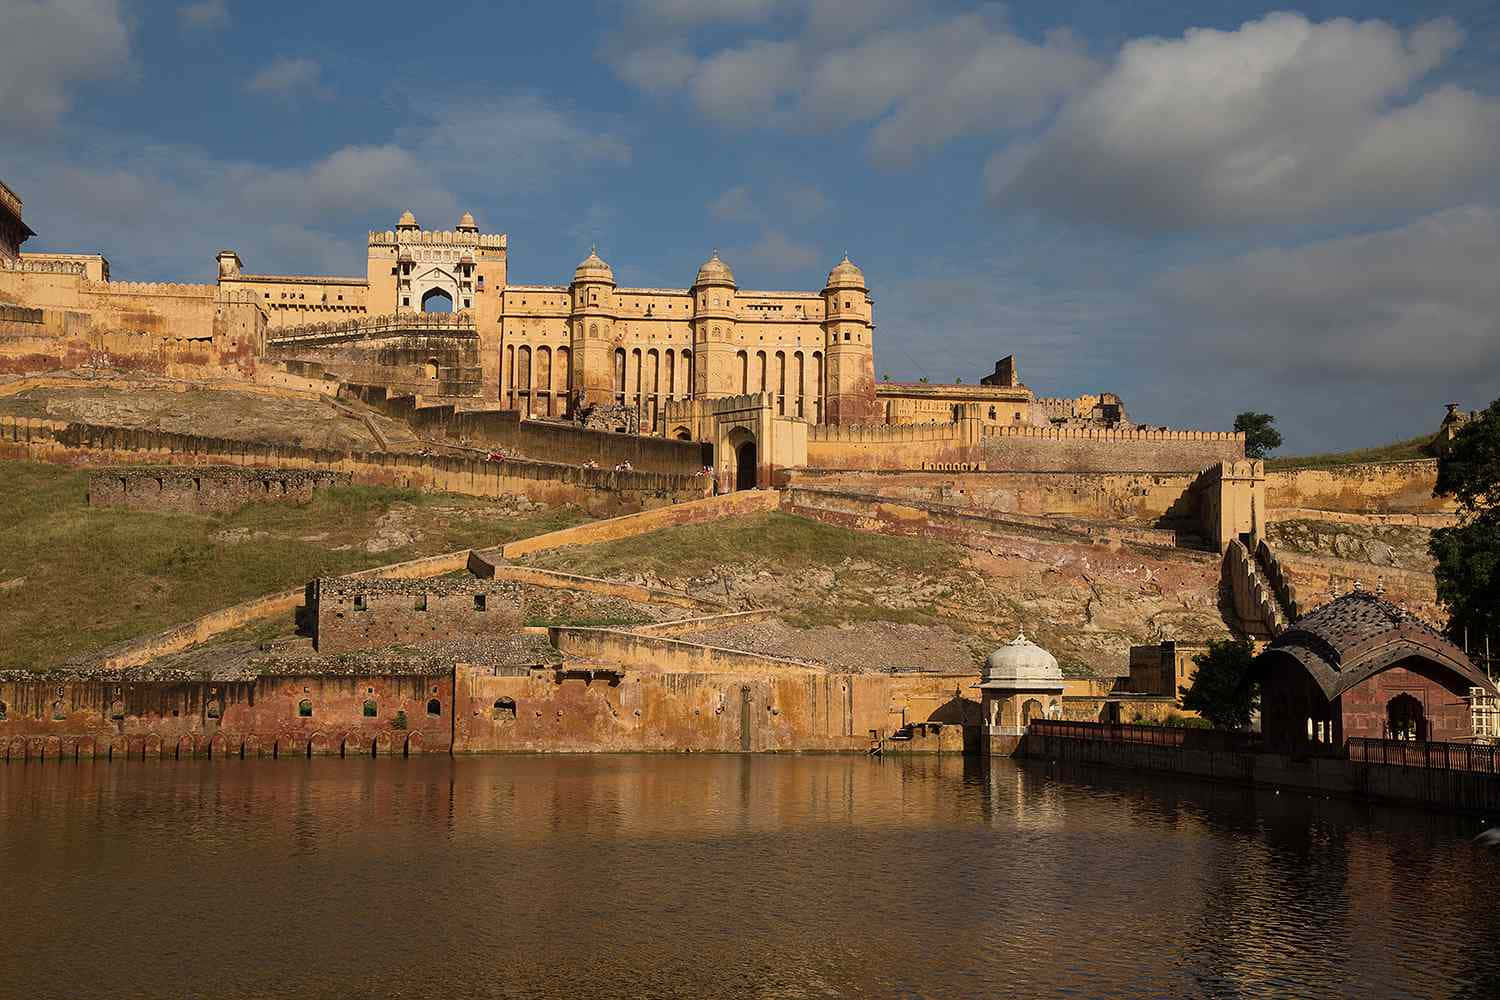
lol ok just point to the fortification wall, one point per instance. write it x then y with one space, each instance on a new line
505 431
972 445
120 718
354 613
599 490
158 327
1367 488
628 526
205 488
1157 499
959 525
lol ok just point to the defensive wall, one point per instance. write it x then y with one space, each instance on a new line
1372 487
127 717
205 488
600 490
159 327
971 444
628 526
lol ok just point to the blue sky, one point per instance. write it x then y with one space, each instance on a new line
1206 208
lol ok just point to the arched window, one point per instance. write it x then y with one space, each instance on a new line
436 300
505 709
744 360
117 711
58 710
434 707
370 708
2 710
212 710
304 709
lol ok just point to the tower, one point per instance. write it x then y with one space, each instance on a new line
591 320
713 293
848 331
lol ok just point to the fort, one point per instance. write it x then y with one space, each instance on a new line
653 411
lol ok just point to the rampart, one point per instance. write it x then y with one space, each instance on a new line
628 526
599 490
358 613
1370 487
970 444
205 488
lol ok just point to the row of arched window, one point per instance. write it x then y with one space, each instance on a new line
774 373
542 375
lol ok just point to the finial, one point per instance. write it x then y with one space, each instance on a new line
1359 587
714 255
1380 586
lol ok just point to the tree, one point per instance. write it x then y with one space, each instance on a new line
1218 691
1260 437
1468 554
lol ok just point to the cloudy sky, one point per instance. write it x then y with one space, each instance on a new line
1205 207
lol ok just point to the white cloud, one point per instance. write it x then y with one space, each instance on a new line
734 205
922 82
209 15
48 46
1282 120
161 211
1415 305
286 77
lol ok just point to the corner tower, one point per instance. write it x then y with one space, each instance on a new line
713 293
848 331
591 334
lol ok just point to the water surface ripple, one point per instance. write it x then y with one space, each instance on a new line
722 876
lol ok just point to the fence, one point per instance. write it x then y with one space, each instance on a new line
1433 756
1183 737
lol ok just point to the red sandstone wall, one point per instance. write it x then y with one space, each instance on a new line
363 613
257 718
1364 706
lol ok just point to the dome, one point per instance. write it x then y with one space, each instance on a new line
846 275
593 268
714 272
407 220
466 223
1023 664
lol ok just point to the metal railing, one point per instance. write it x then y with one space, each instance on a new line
1480 757
1112 732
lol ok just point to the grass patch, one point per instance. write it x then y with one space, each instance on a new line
783 540
94 577
1399 451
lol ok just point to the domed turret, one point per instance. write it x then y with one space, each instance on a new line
593 268
1021 664
846 275
714 272
407 220
466 224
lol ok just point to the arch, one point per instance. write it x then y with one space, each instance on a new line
744 364
682 433
371 708
746 459
430 369
562 370
213 709
218 747
523 373
1031 709
250 747
760 364
59 711
544 378
1405 718
186 748
504 710
620 374
304 709
434 707
437 300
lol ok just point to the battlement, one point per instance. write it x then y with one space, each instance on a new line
25 266
150 288
876 433
444 237
1109 434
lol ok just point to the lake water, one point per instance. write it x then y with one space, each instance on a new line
722 876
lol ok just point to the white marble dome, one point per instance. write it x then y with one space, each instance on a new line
1022 663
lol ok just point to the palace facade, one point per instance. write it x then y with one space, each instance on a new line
552 350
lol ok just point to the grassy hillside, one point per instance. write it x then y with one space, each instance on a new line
74 579
1399 451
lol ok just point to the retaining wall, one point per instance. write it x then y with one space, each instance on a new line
205 488
1367 488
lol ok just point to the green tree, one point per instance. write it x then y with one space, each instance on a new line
1468 554
1218 691
1260 437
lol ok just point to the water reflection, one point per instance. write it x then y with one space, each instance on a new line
709 876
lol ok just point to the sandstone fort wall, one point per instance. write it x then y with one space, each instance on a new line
1365 488
205 488
596 489
971 444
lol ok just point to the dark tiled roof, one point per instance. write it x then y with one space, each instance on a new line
1350 639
